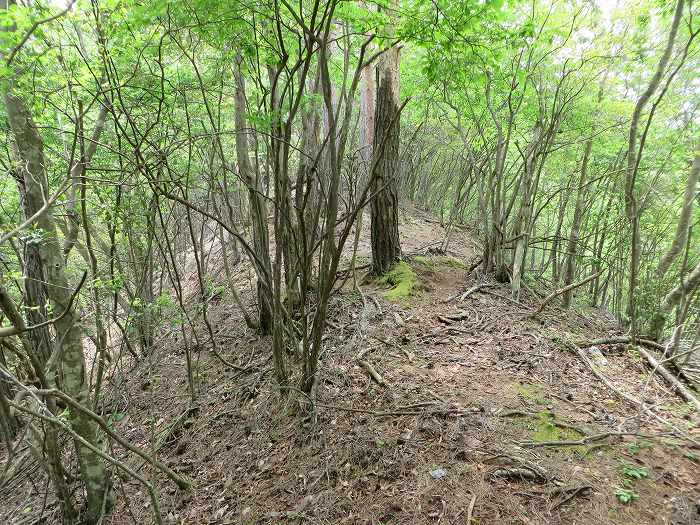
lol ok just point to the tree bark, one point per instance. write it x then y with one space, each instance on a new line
633 156
68 332
258 207
384 208
681 234
572 246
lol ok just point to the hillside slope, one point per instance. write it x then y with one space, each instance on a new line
472 391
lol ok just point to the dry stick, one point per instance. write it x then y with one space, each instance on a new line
573 494
473 290
586 440
103 455
181 482
626 339
627 397
474 265
560 291
369 368
470 510
668 376
681 354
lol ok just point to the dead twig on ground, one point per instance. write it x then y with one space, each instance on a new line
470 510
575 491
619 340
474 289
589 439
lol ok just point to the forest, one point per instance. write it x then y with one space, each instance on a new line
349 262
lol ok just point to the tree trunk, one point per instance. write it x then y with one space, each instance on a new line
572 246
68 332
384 209
684 220
258 207
633 156
522 229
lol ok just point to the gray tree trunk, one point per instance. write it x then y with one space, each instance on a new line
69 335
258 207
572 246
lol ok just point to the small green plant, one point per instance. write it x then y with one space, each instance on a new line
634 473
625 496
635 446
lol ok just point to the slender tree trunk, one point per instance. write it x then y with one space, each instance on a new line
556 241
522 229
258 207
368 101
673 298
633 157
683 226
572 246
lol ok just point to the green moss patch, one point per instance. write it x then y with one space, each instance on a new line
532 392
453 262
403 280
545 429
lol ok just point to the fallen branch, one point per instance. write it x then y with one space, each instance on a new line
376 376
524 469
470 510
559 292
470 291
644 342
474 265
451 318
670 378
627 397
587 440
573 493
618 340
473 290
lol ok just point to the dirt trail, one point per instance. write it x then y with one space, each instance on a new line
470 386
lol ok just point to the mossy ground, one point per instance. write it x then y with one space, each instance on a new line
545 429
403 280
405 276
532 392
